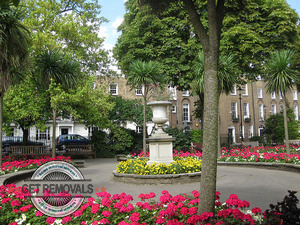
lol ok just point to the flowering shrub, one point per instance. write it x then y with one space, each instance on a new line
10 164
16 208
140 166
273 154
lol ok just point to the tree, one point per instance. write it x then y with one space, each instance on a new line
14 42
89 105
274 128
71 26
170 39
25 106
281 77
145 76
129 110
58 73
227 78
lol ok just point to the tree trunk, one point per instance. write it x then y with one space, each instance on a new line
144 126
1 126
54 133
286 129
25 136
210 134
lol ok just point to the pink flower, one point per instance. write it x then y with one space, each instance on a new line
95 208
77 213
50 220
5 200
15 203
14 223
66 219
104 221
106 213
83 223
95 222
134 217
196 193
38 213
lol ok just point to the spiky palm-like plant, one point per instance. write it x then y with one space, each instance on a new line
14 42
281 78
147 75
54 68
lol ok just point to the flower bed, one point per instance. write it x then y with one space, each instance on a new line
16 208
14 164
140 166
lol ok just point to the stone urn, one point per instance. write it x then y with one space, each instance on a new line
160 143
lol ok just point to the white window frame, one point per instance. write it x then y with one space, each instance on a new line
43 135
173 91
174 108
295 95
113 91
261 112
259 93
250 131
246 110
140 91
273 109
273 95
185 93
186 106
233 91
245 89
138 129
280 95
234 111
296 112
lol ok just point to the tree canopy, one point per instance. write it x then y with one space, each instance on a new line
70 26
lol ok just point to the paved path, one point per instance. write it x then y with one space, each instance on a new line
258 186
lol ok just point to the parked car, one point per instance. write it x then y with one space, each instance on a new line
16 141
70 139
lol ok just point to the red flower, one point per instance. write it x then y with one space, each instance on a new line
104 221
106 213
134 217
38 213
66 219
95 208
50 220
256 210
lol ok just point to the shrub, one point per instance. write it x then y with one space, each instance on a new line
197 136
118 141
183 138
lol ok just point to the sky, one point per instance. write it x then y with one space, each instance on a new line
114 10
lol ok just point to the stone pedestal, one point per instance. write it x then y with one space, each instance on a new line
160 143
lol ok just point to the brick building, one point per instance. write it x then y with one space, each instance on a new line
253 105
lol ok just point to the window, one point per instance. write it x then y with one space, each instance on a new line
273 109
185 93
261 112
280 95
273 95
91 129
186 112
261 130
173 108
43 135
296 112
172 91
138 129
250 131
246 110
113 89
233 91
139 91
245 89
259 93
234 110
295 95
281 108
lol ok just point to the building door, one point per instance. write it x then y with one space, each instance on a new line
64 131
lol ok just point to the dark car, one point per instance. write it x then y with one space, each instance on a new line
70 139
16 141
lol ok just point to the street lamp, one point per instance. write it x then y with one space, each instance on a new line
240 90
